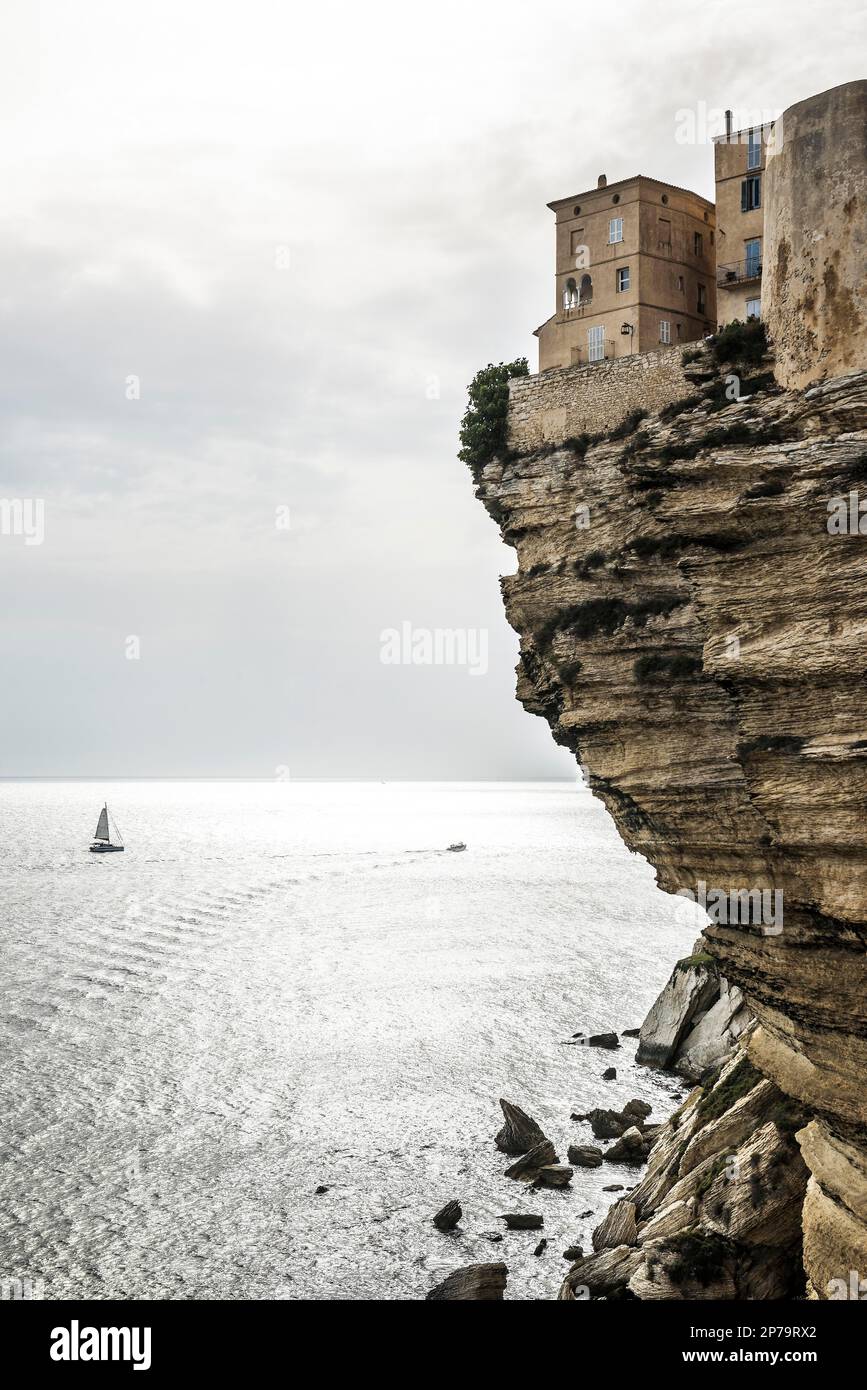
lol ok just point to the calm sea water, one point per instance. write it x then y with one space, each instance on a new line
284 985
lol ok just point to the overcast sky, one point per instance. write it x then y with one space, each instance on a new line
302 229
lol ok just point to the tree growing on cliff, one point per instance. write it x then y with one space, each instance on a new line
483 428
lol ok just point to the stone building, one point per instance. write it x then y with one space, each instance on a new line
739 169
635 265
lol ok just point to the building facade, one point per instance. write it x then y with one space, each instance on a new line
739 171
635 270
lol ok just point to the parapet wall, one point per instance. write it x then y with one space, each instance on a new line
570 401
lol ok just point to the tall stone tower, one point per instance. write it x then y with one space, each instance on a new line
815 264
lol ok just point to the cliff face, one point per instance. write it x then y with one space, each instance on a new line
695 635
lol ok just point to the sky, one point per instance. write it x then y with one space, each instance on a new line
252 254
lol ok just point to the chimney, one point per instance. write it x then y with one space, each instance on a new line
728 125
602 181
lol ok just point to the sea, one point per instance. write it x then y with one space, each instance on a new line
251 1056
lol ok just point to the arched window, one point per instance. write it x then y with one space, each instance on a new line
586 293
570 295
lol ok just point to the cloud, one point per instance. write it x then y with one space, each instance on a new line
300 234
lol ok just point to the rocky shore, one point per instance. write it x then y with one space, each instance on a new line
714 1213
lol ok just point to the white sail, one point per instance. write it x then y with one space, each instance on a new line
102 826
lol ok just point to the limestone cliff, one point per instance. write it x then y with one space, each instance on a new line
695 635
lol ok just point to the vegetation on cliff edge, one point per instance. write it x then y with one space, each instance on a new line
483 428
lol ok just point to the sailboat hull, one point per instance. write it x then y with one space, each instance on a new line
107 849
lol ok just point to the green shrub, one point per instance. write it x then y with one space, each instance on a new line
629 425
698 1257
593 561
569 671
654 666
709 1177
740 1080
580 443
483 428
743 343
675 408
601 617
693 962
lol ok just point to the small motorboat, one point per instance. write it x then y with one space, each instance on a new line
102 837
456 848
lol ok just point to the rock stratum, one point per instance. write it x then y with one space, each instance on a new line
695 635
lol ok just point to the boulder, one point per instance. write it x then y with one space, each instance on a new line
519 1132
630 1148
691 990
483 1282
609 1040
554 1175
584 1156
448 1217
609 1074
522 1221
636 1111
607 1124
541 1247
525 1168
575 1252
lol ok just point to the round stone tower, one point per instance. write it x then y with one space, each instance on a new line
814 291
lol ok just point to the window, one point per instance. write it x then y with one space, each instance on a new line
751 193
570 295
664 233
702 300
585 294
754 150
595 344
577 241
680 283
615 230
754 308
753 262
622 279
679 327
698 243
664 331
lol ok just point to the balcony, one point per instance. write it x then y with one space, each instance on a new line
739 273
581 355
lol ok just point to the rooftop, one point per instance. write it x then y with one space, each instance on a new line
733 137
621 183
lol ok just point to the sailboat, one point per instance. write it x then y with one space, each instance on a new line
102 841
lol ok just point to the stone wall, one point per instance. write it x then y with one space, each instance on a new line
570 401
